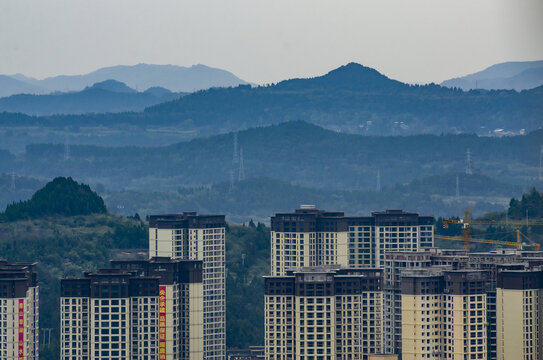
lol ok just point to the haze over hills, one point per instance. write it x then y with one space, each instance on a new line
518 75
297 152
352 99
140 77
108 96
10 86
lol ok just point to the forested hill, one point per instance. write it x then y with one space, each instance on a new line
350 96
106 96
352 99
297 152
62 196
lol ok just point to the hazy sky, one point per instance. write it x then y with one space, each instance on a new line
267 41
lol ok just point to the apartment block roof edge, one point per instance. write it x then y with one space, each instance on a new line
186 220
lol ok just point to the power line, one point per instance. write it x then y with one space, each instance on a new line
457 196
66 150
541 163
469 170
241 172
378 185
235 157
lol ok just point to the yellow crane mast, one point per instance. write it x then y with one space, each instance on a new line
466 232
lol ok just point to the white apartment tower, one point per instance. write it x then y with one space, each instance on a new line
136 310
19 305
312 237
324 313
198 237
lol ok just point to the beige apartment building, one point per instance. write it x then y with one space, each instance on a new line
519 299
312 237
444 314
135 310
19 311
324 313
190 236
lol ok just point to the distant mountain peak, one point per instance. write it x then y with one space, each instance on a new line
350 76
112 85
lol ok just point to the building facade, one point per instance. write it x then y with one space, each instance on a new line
519 299
324 313
135 310
198 237
444 314
19 311
312 237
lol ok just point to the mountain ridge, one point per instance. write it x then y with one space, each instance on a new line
109 96
140 77
513 75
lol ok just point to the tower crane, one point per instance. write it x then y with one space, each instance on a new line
466 223
518 244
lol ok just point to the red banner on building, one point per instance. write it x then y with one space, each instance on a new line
21 349
162 322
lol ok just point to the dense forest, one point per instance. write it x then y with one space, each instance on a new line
352 99
62 196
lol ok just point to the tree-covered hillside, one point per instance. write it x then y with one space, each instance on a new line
66 246
62 196
108 96
295 152
259 198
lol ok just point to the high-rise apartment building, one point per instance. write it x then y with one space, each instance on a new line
136 310
395 264
492 262
312 237
444 314
324 313
198 237
519 303
19 311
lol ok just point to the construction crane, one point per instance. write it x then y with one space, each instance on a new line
466 231
518 244
466 221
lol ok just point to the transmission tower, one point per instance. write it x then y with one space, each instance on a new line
235 157
241 173
457 196
12 180
541 163
231 180
469 171
378 185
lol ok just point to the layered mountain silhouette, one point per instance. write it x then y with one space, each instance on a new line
139 77
358 99
108 96
351 99
10 85
520 75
